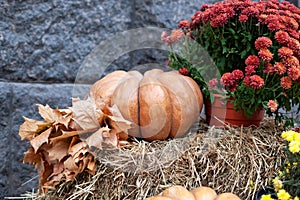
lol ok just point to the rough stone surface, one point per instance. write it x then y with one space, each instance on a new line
46 41
5 96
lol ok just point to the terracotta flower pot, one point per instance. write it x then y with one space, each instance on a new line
221 112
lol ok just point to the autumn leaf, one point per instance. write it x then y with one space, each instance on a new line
32 158
86 114
40 139
30 128
59 150
55 116
70 164
95 140
117 120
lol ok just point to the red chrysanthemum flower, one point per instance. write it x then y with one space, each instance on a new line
184 24
183 71
268 69
291 61
250 11
237 74
228 81
279 68
286 82
243 18
247 81
252 60
206 15
250 69
204 7
212 84
293 44
256 82
196 18
263 43
272 105
294 73
285 52
265 55
219 20
282 37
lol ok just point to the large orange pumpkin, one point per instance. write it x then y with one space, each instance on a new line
160 104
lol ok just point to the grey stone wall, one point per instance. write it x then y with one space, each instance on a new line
42 45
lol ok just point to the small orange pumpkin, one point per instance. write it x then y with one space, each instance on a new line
160 104
178 193
227 196
204 193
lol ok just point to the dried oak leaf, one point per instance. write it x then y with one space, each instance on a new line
86 114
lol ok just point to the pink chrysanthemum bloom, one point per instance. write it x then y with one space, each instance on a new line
184 24
262 18
212 84
294 73
183 71
176 35
243 18
282 37
291 22
165 38
286 82
256 82
279 68
293 43
252 60
237 74
293 33
262 43
291 61
265 55
230 11
275 26
285 52
268 69
250 69
272 105
250 11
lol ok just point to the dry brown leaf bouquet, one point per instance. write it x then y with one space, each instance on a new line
61 144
